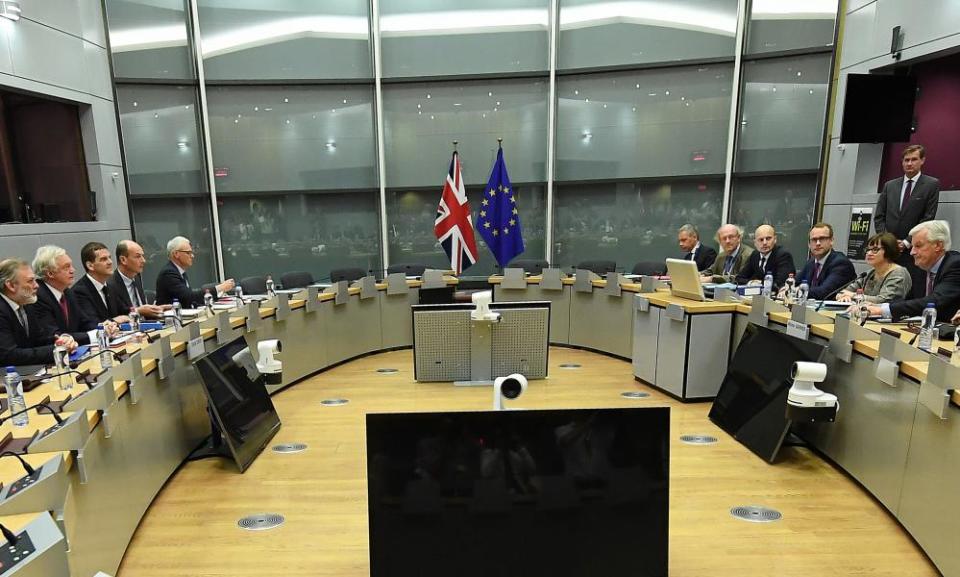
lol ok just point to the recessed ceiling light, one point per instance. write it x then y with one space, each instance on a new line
10 10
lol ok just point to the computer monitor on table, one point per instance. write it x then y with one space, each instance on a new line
685 279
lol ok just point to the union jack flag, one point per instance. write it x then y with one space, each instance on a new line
454 225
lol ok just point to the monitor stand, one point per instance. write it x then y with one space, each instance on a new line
213 446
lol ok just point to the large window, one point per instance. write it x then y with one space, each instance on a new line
160 219
148 39
776 25
786 202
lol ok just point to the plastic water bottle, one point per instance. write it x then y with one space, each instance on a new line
134 320
789 289
270 288
208 301
802 292
239 292
103 341
927 323
65 382
768 285
15 397
859 310
177 315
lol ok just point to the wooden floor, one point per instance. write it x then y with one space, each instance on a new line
830 526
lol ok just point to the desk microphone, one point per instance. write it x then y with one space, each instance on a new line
33 382
116 356
861 276
26 466
11 538
30 408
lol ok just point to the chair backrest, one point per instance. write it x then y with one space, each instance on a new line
347 274
150 295
649 268
601 267
296 279
254 285
532 266
409 269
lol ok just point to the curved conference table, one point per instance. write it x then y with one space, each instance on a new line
123 449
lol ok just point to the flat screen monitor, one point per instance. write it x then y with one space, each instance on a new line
240 408
685 279
878 108
752 401
574 492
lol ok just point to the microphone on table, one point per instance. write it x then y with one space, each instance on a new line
861 276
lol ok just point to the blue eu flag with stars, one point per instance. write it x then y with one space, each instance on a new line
498 219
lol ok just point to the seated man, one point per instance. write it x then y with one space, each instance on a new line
22 342
768 258
126 282
733 255
172 281
827 271
688 237
930 248
94 296
57 308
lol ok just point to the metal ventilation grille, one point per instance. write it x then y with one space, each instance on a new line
436 360
570 366
756 514
517 343
261 521
634 395
334 402
387 371
289 447
698 439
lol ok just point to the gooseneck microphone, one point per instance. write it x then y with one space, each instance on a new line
26 466
861 276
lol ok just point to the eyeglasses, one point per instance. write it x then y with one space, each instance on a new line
190 252
819 239
874 249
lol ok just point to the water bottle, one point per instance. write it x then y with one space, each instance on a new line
802 292
927 323
103 341
15 397
65 382
789 290
208 301
768 285
270 288
134 320
239 292
177 315
860 312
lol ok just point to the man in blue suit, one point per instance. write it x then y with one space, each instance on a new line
827 271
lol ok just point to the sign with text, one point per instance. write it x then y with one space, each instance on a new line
859 233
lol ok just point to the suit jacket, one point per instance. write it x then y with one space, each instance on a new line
836 273
118 290
91 303
16 346
945 295
717 269
171 285
921 207
704 257
51 319
779 264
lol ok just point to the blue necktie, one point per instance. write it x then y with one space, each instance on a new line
728 265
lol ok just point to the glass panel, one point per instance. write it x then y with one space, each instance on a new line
421 121
148 39
629 222
784 106
440 37
666 122
156 221
285 39
163 150
313 232
786 202
787 24
603 33
411 213
268 138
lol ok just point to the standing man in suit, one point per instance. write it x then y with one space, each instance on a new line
904 203
173 283
22 341
93 294
930 248
733 255
828 270
688 237
126 282
768 258
57 307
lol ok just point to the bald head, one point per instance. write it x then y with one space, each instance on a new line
729 236
130 258
765 238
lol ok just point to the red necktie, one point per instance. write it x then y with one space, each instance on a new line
816 273
929 283
906 196
63 307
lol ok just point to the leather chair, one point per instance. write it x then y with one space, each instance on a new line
347 274
649 268
529 265
600 267
254 285
409 269
296 279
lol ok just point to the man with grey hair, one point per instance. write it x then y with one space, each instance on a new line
688 237
172 281
733 255
22 342
58 310
930 249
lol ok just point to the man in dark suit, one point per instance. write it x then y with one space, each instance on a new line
930 248
828 270
94 296
22 342
688 237
126 283
57 308
768 258
172 281
904 203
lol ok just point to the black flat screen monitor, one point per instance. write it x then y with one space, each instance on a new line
519 493
752 402
240 407
878 108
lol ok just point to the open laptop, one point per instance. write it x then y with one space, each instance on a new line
685 279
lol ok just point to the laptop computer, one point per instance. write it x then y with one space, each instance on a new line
685 279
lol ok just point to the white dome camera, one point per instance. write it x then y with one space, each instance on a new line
805 402
268 365
508 388
482 300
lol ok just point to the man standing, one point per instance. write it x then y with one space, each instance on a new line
688 237
126 283
768 258
57 307
173 283
22 342
733 255
828 270
93 294
904 203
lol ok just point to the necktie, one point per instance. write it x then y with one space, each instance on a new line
906 196
816 273
134 295
106 296
22 315
929 283
728 265
763 263
65 309
185 279
689 256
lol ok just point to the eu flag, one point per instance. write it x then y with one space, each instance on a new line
499 221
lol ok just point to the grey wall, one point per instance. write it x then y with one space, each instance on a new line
58 49
928 27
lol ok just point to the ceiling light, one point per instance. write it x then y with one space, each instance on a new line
10 10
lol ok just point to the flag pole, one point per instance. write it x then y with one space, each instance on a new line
454 145
500 143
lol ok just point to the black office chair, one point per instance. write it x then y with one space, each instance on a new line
601 267
254 285
409 269
296 279
649 268
532 266
347 274
150 295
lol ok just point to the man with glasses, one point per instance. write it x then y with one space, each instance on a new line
828 270
126 283
22 338
173 282
733 255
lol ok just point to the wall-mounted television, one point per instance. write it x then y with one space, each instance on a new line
878 108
